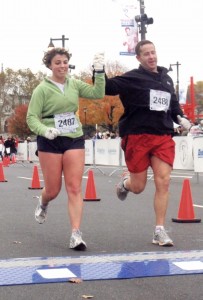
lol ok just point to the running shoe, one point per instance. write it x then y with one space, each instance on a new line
121 191
40 212
76 241
161 238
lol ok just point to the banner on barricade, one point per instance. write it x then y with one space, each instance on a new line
183 153
107 152
89 152
32 148
198 154
22 152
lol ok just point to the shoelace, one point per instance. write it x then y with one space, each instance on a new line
162 234
77 233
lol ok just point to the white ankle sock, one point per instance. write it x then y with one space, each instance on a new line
159 227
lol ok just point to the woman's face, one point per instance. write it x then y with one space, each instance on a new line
59 67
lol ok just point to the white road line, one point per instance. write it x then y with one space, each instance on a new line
28 178
181 176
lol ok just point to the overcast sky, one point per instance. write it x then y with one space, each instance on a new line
94 25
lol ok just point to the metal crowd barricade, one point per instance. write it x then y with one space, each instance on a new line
90 156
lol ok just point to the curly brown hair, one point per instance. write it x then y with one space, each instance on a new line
48 56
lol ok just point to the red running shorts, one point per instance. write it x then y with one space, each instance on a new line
138 150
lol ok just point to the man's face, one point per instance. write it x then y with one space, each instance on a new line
148 57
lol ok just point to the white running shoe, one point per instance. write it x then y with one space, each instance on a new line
161 238
40 213
76 241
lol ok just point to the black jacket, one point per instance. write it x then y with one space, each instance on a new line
10 143
134 88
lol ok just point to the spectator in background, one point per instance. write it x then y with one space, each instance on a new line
10 147
97 135
112 135
107 135
16 143
1 147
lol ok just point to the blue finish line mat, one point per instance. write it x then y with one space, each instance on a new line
38 270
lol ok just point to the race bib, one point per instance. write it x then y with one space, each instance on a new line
8 150
159 100
66 122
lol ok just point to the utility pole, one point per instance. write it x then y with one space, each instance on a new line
177 81
142 24
143 21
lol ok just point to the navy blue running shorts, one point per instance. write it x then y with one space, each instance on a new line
60 144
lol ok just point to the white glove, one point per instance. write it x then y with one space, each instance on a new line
184 122
98 61
51 133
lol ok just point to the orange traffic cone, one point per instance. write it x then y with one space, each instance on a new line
2 178
35 180
186 211
90 194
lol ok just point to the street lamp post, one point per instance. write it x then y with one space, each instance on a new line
143 21
63 39
177 69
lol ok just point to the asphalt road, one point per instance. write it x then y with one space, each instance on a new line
109 226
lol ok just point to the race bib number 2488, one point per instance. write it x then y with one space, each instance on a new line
159 100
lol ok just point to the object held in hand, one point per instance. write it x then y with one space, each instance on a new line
184 122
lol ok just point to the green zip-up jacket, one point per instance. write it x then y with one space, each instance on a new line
47 100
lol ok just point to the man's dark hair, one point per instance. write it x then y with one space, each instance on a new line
140 44
48 56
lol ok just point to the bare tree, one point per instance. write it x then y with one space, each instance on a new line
15 89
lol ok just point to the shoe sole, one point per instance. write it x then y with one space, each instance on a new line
162 244
39 221
80 247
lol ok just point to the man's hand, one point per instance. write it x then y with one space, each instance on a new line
51 133
98 61
184 122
